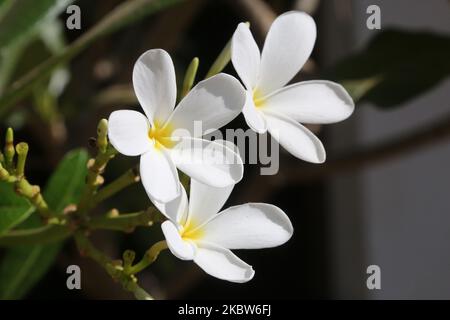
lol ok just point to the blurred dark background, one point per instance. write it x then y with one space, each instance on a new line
382 198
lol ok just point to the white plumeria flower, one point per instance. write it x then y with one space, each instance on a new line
272 106
196 231
166 138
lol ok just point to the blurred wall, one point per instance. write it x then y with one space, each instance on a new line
396 214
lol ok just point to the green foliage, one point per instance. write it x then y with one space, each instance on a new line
67 182
13 208
23 18
23 266
21 22
122 15
395 67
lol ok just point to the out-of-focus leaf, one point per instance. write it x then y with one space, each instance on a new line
8 61
4 7
22 267
52 34
48 27
13 208
122 15
67 182
395 67
24 17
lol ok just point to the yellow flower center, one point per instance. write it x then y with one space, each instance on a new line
190 231
258 99
161 135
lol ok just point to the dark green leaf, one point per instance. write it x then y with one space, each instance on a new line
13 208
122 15
67 182
395 67
22 267
24 17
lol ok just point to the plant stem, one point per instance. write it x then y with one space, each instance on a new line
5 176
125 180
128 282
9 149
149 257
22 152
26 190
94 179
189 78
41 235
221 62
126 222
425 136
34 195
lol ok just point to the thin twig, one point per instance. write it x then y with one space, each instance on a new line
128 282
125 222
424 137
128 178
41 235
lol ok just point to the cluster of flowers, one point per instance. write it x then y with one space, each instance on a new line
195 229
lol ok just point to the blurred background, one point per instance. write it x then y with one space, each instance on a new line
381 198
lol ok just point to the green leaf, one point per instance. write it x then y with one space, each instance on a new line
67 182
22 267
395 67
13 208
49 28
24 17
122 15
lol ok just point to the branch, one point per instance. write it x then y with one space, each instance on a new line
96 167
424 137
128 178
25 189
115 270
149 257
125 222
41 235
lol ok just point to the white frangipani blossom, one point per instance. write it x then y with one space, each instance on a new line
271 105
197 231
165 138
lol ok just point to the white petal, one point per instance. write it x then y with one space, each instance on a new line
159 175
155 85
184 250
176 209
249 226
295 138
229 145
288 45
128 132
312 102
222 263
245 55
209 162
206 201
254 118
212 103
